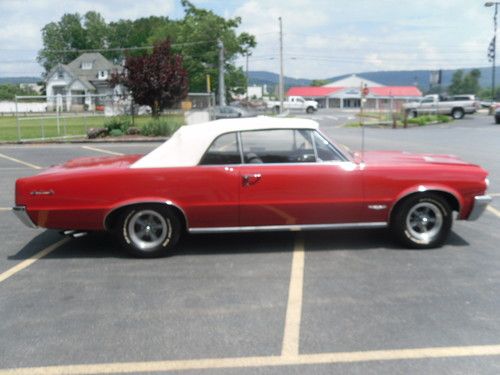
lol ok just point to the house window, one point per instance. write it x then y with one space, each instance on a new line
103 74
86 65
60 74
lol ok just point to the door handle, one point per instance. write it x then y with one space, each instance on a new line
251 179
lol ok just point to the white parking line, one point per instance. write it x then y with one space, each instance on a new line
5 208
271 361
28 262
102 150
291 336
20 161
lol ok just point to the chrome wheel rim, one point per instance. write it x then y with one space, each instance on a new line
147 229
424 222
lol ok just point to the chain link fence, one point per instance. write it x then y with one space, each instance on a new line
62 117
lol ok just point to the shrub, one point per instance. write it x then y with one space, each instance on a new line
116 133
160 127
118 123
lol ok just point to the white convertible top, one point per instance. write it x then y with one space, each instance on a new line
188 144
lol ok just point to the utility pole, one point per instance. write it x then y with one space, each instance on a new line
246 74
492 47
222 87
281 89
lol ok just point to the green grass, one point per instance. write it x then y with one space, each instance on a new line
45 126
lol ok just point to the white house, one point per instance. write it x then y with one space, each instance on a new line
77 85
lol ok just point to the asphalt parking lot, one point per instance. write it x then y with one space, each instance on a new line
282 303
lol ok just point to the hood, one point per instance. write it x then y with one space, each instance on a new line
402 157
95 163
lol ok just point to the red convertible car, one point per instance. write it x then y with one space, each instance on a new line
253 174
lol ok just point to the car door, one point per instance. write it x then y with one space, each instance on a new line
214 186
285 180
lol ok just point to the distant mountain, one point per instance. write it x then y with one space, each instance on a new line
388 78
18 80
272 79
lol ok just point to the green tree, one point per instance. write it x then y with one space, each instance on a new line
319 82
456 82
195 37
465 84
9 91
71 32
470 83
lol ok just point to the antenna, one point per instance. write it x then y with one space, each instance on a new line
363 92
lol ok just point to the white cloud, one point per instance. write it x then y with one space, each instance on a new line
321 38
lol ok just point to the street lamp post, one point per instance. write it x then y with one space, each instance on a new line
492 47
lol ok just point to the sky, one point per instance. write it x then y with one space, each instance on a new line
322 38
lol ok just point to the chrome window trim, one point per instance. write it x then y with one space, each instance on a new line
291 228
335 162
337 150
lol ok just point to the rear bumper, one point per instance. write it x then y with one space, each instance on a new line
22 215
480 204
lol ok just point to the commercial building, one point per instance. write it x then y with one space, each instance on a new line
346 93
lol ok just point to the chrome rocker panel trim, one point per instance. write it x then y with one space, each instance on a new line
480 204
22 215
291 228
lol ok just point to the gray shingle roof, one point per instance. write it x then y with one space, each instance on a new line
99 63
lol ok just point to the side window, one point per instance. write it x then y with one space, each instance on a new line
277 146
326 152
224 150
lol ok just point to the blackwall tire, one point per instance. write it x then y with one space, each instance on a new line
148 231
422 221
458 114
310 110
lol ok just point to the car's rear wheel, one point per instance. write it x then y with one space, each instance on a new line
458 113
412 114
422 221
148 231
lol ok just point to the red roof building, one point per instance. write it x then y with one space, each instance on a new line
378 97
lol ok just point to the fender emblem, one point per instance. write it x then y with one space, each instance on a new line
377 207
42 192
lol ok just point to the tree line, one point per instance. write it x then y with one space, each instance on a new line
194 37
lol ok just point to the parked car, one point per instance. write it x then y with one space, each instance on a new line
438 104
253 174
231 112
497 115
294 103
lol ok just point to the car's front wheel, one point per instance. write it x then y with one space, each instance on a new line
422 221
148 231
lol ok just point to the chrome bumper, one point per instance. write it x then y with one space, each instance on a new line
480 204
22 215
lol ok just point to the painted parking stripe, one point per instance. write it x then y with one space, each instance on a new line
102 150
20 161
5 209
28 262
291 336
271 361
494 211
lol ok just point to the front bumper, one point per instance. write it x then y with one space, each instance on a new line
22 215
480 204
